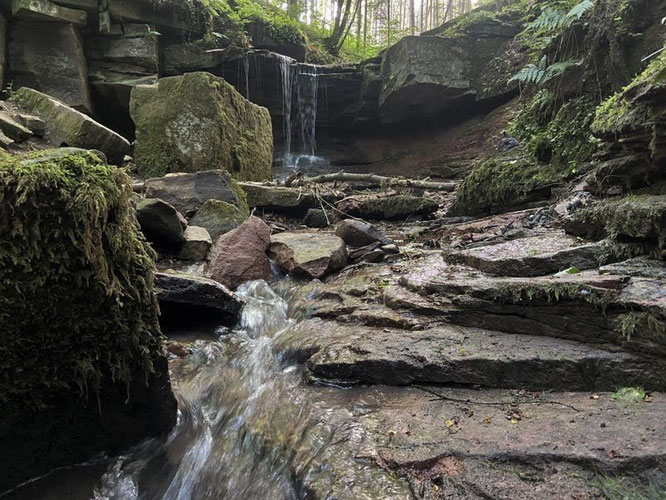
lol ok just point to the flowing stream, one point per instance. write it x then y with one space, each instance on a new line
249 427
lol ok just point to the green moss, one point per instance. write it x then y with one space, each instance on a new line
502 182
556 133
77 307
218 217
622 112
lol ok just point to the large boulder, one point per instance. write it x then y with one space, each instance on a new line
187 192
83 371
425 75
218 217
66 126
240 255
45 10
187 300
49 57
197 122
308 255
161 223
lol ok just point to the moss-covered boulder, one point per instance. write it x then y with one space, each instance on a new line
393 207
505 182
219 217
200 122
81 363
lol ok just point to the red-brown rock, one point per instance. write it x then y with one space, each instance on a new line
240 255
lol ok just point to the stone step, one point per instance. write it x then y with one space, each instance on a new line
507 445
535 256
626 311
458 355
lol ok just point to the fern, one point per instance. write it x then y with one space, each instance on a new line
578 11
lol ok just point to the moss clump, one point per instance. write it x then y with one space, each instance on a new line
199 122
462 24
557 133
639 219
77 308
629 110
502 182
218 217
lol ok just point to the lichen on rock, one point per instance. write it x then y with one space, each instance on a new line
200 122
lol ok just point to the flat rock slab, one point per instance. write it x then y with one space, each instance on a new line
505 444
535 256
281 199
459 355
66 126
307 254
588 306
187 299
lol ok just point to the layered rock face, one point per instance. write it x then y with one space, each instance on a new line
78 301
198 122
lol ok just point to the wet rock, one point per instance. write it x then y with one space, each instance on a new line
533 463
449 355
240 255
44 10
308 255
387 207
187 192
218 217
13 129
197 244
536 256
357 253
161 223
374 256
639 267
316 218
66 126
197 122
49 57
188 300
357 233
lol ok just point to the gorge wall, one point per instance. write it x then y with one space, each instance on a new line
91 53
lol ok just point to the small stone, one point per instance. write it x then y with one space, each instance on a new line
390 249
316 218
218 217
161 222
13 129
197 244
308 255
358 233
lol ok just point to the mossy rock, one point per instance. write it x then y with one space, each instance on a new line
504 182
200 122
218 217
81 344
640 220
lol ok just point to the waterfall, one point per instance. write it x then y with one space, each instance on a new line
246 68
302 81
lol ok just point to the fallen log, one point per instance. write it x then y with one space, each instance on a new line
377 179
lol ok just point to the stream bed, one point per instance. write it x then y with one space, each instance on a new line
249 427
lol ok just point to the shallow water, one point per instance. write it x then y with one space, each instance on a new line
249 427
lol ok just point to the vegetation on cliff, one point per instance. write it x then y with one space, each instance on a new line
77 307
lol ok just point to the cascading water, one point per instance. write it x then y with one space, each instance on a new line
301 80
248 426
